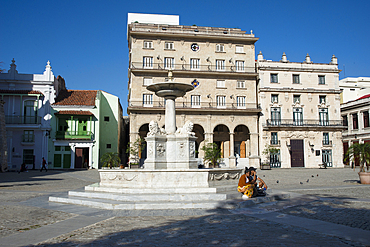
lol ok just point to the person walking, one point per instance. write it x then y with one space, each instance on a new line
43 165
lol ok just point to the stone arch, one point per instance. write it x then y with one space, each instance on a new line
143 131
241 141
199 142
221 136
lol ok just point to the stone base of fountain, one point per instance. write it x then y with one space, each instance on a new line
170 179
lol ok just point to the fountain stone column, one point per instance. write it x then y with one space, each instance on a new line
171 148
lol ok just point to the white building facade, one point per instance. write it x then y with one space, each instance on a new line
355 115
300 119
27 100
354 88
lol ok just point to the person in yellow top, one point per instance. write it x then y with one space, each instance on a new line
259 186
246 184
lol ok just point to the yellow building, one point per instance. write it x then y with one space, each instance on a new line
219 62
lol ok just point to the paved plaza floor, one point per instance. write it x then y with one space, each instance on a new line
327 207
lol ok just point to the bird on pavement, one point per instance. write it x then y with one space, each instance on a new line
308 180
300 182
277 181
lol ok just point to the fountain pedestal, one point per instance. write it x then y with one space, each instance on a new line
170 152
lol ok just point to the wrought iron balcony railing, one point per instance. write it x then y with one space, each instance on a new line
71 135
198 105
275 142
189 67
326 143
303 123
11 119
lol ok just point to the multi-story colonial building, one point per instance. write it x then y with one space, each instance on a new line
218 62
355 115
301 119
85 125
354 88
27 100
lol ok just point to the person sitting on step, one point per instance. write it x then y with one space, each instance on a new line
246 185
260 186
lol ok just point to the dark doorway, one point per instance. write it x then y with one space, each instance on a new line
82 157
297 153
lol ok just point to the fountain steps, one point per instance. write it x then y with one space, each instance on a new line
111 198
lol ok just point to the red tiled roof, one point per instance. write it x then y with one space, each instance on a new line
76 97
364 97
20 92
84 113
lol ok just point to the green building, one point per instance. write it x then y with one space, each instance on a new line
85 125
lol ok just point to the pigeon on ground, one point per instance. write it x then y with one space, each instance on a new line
308 180
313 176
263 175
317 174
300 182
277 181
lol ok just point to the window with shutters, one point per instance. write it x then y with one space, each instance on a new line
220 65
220 48
239 49
221 101
195 101
240 102
148 100
194 63
239 65
148 62
220 84
240 84
169 46
169 62
148 44
147 81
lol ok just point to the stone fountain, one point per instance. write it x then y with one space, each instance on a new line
170 178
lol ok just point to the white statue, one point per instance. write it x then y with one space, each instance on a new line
186 129
154 129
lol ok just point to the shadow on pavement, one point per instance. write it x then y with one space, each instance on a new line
222 229
31 175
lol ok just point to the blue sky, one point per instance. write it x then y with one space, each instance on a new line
86 41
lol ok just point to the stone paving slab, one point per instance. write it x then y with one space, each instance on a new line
221 229
40 234
176 228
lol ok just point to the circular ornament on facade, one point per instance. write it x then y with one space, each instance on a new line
194 47
195 83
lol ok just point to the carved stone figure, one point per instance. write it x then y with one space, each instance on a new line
186 129
154 129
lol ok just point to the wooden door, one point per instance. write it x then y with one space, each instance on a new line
242 150
297 153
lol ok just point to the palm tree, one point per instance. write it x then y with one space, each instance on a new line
212 154
110 159
361 153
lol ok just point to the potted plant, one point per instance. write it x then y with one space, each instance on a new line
134 149
361 153
212 154
267 152
110 160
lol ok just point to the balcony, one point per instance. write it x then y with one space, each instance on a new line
327 143
196 106
303 123
73 135
190 68
11 119
275 143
